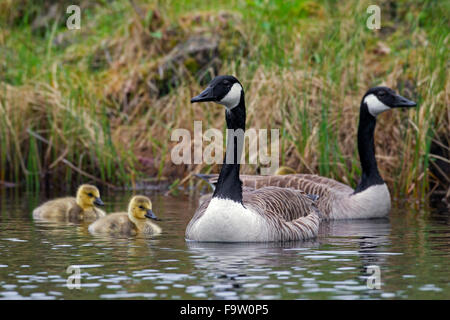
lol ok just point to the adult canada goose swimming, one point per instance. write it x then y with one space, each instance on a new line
371 197
135 221
80 208
233 215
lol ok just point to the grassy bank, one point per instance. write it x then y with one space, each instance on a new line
102 101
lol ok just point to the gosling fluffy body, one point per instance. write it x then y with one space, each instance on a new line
80 208
131 223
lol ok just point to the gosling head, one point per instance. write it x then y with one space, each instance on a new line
140 208
225 90
379 99
88 196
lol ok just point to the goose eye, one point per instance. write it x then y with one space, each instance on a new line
226 82
381 93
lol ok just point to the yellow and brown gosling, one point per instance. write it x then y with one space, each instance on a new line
135 221
284 170
80 208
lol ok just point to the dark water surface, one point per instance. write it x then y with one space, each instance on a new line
411 249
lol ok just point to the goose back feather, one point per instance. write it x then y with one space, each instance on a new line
336 200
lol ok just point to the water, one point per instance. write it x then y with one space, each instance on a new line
411 249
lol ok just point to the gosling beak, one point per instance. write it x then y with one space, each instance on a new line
402 102
205 95
98 202
151 215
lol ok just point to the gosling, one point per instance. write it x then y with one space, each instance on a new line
131 223
284 170
80 208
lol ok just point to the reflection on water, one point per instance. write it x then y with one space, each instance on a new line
411 248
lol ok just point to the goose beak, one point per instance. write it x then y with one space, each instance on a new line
151 215
98 202
205 95
402 102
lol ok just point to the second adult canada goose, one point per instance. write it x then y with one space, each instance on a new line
80 208
371 197
135 221
233 215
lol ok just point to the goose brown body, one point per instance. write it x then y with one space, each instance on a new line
332 194
271 214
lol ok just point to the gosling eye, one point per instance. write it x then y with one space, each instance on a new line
141 207
90 195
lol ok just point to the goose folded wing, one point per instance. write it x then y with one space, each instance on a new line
280 203
292 214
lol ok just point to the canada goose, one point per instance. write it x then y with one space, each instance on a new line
371 197
80 208
234 215
130 223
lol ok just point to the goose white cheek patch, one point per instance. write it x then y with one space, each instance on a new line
374 105
233 97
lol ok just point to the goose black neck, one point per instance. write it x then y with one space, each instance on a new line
366 148
229 186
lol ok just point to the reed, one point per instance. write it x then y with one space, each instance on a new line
92 103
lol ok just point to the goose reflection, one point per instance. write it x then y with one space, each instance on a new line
229 267
368 240
239 255
365 232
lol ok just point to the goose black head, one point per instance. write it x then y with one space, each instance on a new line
379 99
225 90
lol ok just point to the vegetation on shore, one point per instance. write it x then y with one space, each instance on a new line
100 103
